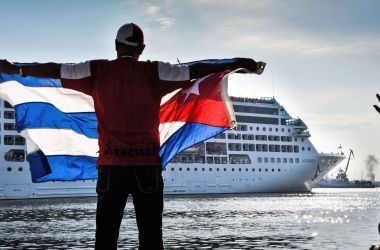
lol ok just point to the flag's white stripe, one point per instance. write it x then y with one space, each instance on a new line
61 142
66 100
167 97
31 147
168 129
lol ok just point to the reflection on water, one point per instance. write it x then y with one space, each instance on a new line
325 219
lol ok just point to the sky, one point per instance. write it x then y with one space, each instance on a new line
323 56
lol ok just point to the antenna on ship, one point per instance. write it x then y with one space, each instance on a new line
273 83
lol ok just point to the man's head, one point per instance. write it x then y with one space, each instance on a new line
129 41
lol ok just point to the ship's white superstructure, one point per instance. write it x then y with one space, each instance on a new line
268 152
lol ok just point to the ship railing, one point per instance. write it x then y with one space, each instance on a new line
264 100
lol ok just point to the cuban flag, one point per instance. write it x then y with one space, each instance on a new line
60 125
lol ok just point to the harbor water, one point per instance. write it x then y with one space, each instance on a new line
323 219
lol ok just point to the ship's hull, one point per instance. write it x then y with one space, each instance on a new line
269 178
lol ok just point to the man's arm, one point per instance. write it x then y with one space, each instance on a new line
46 70
198 70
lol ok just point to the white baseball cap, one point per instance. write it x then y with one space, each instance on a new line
130 34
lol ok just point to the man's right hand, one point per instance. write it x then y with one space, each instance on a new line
251 65
7 67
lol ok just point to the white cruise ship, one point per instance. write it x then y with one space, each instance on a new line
268 152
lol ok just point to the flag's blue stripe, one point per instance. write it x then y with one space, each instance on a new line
31 81
185 137
45 115
213 61
62 167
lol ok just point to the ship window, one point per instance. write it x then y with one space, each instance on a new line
19 140
271 148
251 147
217 169
210 160
289 148
7 105
278 160
220 136
233 169
224 169
217 160
180 169
9 169
9 139
203 169
279 170
264 129
253 170
295 139
15 155
251 128
290 160
277 148
239 159
303 139
276 129
246 170
283 148
9 114
216 148
9 126
172 169
282 130
259 169
270 129
296 149
195 169
277 138
20 169
239 169
270 138
303 148
272 169
187 169
284 160
265 159
272 160
297 160
308 148
257 128
289 130
224 160
210 169
265 148
259 159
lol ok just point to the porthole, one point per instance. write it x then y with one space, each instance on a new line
272 169
308 148
302 139
259 169
289 130
250 128
257 128
210 169
233 169
266 170
270 129
180 169
253 170
303 148
203 169
276 129
239 169
188 169
264 129
246 170
195 169
20 169
282 130
9 169
295 139
279 170
172 169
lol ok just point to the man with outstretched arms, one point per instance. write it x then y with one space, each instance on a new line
127 95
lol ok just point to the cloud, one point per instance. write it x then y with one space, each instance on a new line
155 14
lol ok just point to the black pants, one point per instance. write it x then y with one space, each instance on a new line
115 183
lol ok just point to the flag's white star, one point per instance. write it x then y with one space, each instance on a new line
194 89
